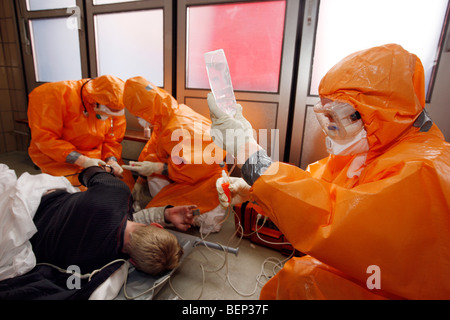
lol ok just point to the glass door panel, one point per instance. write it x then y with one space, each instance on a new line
131 44
348 26
96 2
56 51
33 5
251 35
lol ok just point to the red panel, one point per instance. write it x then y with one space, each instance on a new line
251 35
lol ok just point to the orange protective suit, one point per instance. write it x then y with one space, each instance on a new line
394 217
180 137
59 126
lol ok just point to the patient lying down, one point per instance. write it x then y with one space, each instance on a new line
92 228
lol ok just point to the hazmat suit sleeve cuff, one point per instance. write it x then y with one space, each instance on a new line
111 158
255 166
72 157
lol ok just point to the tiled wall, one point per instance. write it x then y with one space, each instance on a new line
13 97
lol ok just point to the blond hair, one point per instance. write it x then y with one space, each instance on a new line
154 250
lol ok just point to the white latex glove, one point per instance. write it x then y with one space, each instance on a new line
144 168
118 171
239 189
229 133
85 162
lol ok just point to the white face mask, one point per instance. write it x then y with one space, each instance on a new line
355 145
101 116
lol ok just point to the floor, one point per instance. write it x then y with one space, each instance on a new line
19 161
205 273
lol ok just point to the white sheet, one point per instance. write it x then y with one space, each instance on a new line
109 289
19 200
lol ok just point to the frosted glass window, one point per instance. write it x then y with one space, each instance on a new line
251 34
111 1
56 50
49 4
347 26
131 44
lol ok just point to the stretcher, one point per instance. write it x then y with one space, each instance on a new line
141 286
22 279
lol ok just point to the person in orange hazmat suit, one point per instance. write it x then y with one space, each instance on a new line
77 123
373 218
180 160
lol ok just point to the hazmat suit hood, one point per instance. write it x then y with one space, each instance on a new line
145 100
106 90
385 85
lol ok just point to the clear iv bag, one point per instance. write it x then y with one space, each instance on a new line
220 80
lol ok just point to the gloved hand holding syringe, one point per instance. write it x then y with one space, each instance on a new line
235 191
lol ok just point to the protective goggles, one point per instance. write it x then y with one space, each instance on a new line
102 109
339 120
